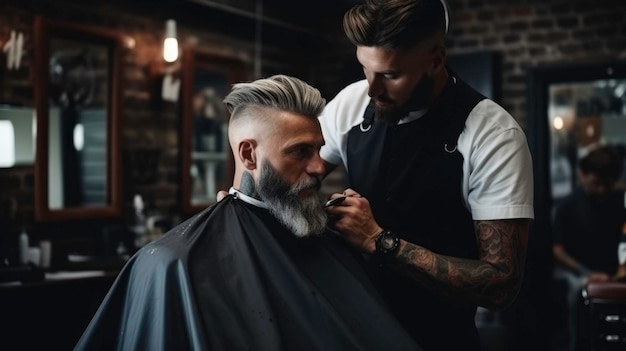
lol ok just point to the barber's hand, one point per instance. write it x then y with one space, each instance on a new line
221 195
354 220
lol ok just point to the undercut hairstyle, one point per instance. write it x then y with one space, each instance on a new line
605 162
280 92
395 24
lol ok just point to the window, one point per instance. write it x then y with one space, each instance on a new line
7 144
17 136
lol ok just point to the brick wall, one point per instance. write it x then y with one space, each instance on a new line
532 32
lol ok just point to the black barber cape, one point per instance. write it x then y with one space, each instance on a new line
233 278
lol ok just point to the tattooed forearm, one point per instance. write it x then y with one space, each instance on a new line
492 281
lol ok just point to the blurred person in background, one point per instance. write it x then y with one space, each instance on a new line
587 227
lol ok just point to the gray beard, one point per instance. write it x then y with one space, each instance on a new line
304 217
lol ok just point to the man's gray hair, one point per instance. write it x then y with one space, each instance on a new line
280 92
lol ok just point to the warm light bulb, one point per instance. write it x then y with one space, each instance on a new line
170 49
558 123
130 43
170 45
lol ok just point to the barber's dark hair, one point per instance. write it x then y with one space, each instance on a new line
394 24
605 162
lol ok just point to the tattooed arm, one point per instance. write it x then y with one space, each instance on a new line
492 281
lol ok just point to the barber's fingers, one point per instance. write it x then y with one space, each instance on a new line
337 198
354 206
351 192
221 195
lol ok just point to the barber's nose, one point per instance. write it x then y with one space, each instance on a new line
376 87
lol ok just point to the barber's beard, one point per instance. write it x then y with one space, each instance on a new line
417 101
303 216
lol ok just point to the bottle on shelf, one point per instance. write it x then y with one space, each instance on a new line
24 246
139 228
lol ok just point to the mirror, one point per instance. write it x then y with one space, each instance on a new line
581 115
571 107
207 164
77 101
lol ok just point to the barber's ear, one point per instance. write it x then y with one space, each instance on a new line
247 153
438 59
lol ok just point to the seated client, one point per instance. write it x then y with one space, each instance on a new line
256 271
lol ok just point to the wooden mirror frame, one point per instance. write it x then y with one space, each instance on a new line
234 70
44 30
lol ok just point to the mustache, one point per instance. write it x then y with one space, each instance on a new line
312 183
383 99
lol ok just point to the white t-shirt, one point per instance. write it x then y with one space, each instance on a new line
497 166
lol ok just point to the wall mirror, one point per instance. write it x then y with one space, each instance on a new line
207 164
571 108
77 101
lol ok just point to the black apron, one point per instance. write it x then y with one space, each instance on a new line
412 176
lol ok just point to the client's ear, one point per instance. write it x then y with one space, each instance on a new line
247 153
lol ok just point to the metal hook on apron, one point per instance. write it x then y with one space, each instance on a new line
445 147
368 117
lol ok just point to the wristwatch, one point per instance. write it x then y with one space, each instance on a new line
386 242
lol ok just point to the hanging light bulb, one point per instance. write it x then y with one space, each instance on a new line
170 44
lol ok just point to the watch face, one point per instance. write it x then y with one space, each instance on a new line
388 242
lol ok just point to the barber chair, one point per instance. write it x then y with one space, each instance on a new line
605 308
